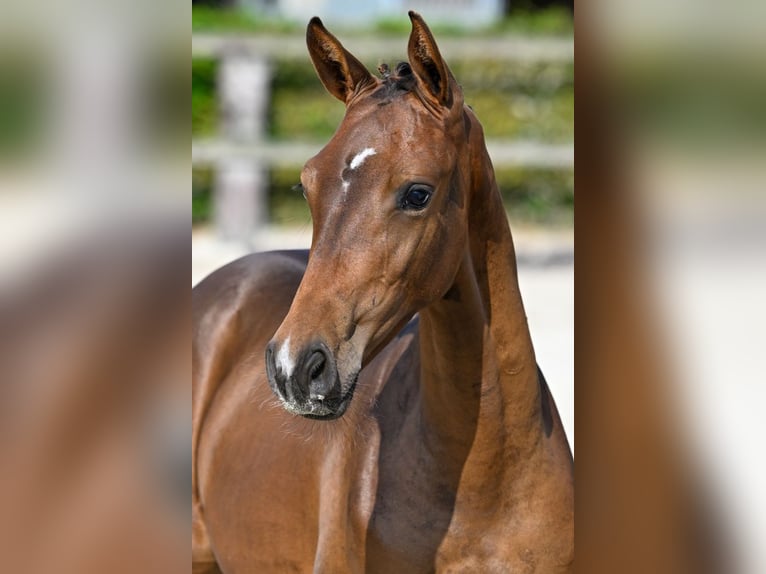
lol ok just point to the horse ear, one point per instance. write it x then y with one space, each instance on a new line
340 72
427 63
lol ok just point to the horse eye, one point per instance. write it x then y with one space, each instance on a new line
416 197
299 187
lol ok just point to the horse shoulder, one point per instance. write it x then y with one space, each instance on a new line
246 297
232 308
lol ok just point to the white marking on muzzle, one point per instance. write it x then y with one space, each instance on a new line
361 156
284 360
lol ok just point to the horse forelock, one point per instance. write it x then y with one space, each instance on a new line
395 83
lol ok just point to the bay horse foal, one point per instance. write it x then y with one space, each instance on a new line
404 445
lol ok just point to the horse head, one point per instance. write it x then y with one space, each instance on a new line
388 199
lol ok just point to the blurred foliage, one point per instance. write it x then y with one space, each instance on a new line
296 87
534 101
287 206
204 108
526 101
536 195
23 108
202 186
402 26
554 20
209 19
531 101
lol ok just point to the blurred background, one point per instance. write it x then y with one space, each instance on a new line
94 301
671 230
671 277
259 112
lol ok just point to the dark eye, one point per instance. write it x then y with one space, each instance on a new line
416 197
299 187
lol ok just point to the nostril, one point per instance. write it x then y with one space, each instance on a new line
316 364
319 372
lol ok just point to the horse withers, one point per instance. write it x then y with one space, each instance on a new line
375 405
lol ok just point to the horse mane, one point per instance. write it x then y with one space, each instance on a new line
400 81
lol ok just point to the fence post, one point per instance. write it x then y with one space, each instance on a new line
241 183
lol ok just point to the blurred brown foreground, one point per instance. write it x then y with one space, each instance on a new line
670 277
94 406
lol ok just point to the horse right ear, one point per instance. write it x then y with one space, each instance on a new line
430 68
340 72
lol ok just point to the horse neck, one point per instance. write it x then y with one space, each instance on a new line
479 382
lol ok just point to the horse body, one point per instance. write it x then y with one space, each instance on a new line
451 456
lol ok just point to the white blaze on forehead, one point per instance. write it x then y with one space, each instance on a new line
361 156
284 360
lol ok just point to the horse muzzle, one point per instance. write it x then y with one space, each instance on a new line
307 383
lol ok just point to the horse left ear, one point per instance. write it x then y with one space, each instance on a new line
430 68
340 72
